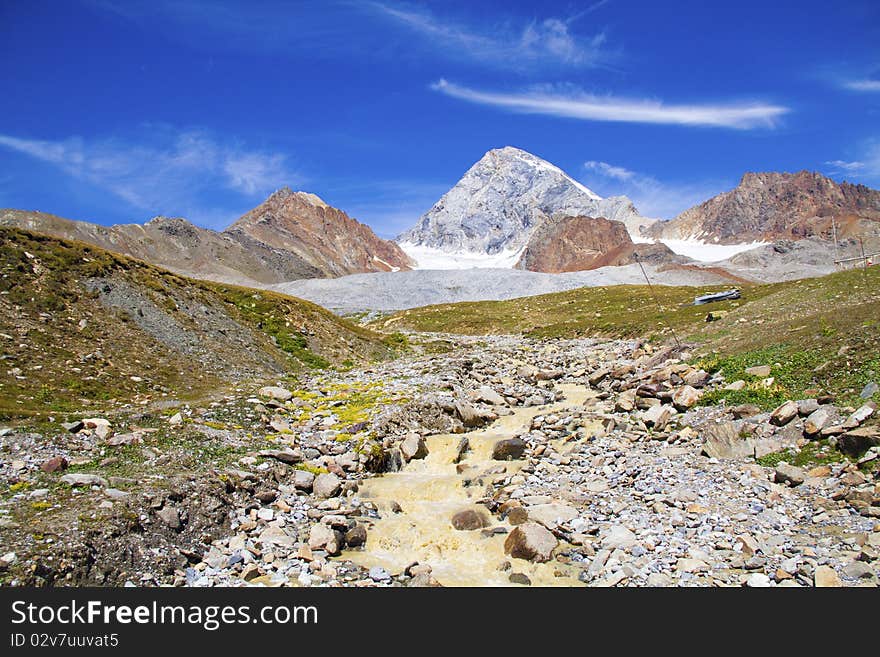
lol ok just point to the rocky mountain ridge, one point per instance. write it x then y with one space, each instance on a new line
774 206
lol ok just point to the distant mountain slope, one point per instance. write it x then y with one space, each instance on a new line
773 206
501 199
81 326
324 237
291 235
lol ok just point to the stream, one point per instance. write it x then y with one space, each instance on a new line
430 491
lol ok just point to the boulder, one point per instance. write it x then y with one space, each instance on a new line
356 536
277 393
170 517
788 474
858 441
619 537
469 415
626 401
99 426
725 441
530 541
818 420
413 447
509 449
326 485
685 397
323 537
861 414
469 520
826 577
84 480
488 395
784 413
303 480
54 464
760 371
657 416
551 515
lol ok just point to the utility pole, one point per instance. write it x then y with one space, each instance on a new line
836 249
656 301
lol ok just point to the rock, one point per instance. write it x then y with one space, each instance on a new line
689 565
807 406
288 456
99 425
323 537
170 517
856 442
326 485
685 397
356 536
551 515
517 515
736 385
788 474
124 439
760 371
619 537
519 578
869 390
413 447
73 427
509 449
826 577
530 541
379 574
657 416
696 378
393 460
724 441
463 446
784 413
745 410
84 480
54 464
861 414
175 420
303 480
598 376
469 520
858 570
626 401
488 395
277 536
469 415
758 580
817 420
548 375
276 392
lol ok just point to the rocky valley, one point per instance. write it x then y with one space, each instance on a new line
164 431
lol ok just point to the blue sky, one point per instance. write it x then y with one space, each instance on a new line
117 111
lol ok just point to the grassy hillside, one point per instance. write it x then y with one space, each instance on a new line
81 327
823 333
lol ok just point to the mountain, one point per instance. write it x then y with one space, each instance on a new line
291 235
501 200
322 236
774 206
565 244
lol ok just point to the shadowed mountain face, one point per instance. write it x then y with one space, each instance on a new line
291 235
773 206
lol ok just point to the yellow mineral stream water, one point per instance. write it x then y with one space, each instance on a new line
430 491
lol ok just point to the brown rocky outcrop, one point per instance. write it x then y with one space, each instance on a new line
774 206
564 244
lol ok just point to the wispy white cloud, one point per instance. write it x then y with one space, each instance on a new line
609 170
163 171
550 41
865 85
652 197
577 104
865 169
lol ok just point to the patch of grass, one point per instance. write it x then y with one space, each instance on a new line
809 456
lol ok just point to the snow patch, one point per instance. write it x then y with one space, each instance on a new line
427 257
391 267
699 250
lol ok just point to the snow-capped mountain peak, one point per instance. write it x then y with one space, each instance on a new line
498 203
